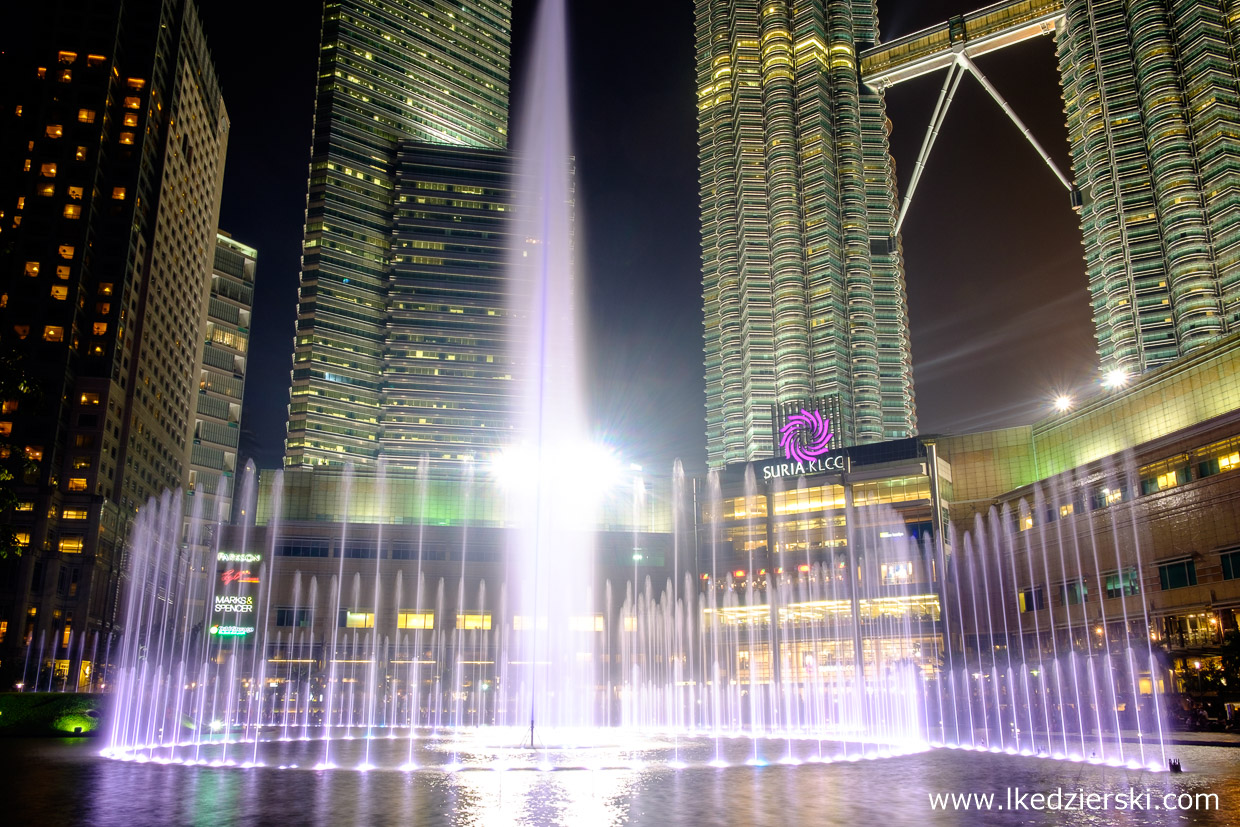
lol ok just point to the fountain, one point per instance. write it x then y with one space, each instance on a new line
849 640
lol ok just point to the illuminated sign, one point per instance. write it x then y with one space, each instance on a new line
781 468
231 631
238 576
805 436
238 557
237 603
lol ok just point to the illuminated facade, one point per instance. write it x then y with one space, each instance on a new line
802 274
115 139
221 376
397 78
832 565
1152 97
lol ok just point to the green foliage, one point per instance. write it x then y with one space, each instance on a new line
20 386
50 713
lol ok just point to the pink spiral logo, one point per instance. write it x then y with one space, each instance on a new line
805 436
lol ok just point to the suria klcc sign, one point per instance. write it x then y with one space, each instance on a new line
806 441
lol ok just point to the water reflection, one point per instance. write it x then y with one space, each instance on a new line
65 782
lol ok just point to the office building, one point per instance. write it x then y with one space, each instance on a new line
395 76
221 377
802 273
1152 98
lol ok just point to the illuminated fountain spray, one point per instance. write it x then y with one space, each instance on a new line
553 636
823 656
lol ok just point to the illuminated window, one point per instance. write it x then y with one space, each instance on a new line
41 72
133 103
356 620
60 292
66 57
90 399
66 75
32 268
19 110
473 620
126 138
8 406
62 271
6 428
54 130
415 620
71 545
81 462
84 441
130 119
47 189
74 514
77 483
26 165
103 308
73 211
587 623
118 193
80 154
23 538
34 453
53 333
1065 510
22 330
95 60
65 250
86 115
1122 584
135 83
47 170
100 328
75 193
1031 600
105 289
21 203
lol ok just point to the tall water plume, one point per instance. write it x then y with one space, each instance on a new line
552 574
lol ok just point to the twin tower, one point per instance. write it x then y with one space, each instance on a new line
402 336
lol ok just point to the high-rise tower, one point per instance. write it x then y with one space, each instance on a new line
1152 97
112 160
802 274
393 75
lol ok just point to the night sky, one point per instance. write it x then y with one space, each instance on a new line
998 301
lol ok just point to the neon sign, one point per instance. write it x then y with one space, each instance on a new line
238 603
238 557
805 436
231 631
238 576
828 464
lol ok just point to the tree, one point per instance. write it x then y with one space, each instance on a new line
19 386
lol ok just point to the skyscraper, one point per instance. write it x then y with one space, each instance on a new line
394 75
1152 97
802 275
221 376
114 140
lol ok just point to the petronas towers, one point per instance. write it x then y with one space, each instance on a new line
803 278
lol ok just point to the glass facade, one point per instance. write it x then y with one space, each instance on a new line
1153 111
221 377
390 73
802 280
